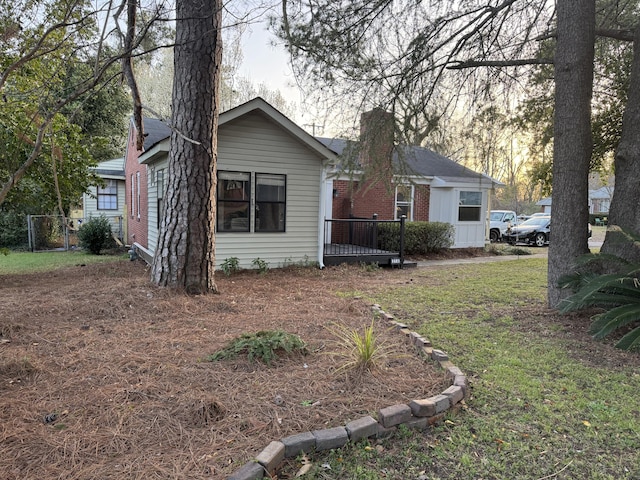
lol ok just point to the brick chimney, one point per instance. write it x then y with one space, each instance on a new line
377 138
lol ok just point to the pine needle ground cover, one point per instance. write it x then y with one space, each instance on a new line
103 375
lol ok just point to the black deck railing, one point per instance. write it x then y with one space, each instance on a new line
359 240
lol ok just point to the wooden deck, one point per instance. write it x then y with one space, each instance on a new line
335 254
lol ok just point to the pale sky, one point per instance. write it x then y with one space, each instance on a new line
267 63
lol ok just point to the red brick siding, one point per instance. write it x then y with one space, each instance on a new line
137 224
421 198
376 199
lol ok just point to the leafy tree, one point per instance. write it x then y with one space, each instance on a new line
54 63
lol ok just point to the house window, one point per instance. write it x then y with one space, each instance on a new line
469 206
160 194
138 194
244 198
404 202
133 196
270 202
108 196
233 201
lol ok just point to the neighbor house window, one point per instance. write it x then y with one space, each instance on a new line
133 196
246 198
234 196
108 196
469 206
270 202
404 201
160 195
138 194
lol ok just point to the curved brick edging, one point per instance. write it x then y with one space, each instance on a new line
419 414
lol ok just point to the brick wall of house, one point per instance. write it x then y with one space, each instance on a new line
374 199
421 198
377 199
137 224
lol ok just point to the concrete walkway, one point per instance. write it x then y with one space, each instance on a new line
537 252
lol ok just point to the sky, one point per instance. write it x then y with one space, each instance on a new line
266 63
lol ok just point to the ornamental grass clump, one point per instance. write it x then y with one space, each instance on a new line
358 351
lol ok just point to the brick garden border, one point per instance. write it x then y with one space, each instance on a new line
419 414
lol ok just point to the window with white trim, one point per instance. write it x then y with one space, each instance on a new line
404 202
108 196
246 198
469 206
138 194
159 175
133 196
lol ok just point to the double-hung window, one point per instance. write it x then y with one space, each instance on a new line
160 194
404 202
248 201
108 196
469 206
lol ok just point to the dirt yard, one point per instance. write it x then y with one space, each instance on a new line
103 375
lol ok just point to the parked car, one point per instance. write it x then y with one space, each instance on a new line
535 231
499 222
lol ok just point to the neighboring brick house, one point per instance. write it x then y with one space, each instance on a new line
412 181
137 181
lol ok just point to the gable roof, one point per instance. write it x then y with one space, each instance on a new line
113 168
419 162
157 131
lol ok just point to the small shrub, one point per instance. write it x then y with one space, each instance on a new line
263 345
230 265
370 267
95 234
261 265
358 351
420 238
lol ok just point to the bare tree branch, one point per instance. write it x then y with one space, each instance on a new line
499 63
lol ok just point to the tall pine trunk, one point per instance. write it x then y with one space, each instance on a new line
572 139
185 256
625 204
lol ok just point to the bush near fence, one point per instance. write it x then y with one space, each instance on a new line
13 230
420 238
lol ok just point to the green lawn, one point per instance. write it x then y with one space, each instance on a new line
542 407
27 262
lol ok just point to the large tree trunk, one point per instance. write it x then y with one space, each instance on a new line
624 214
572 139
185 256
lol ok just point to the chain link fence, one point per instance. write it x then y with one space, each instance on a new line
51 232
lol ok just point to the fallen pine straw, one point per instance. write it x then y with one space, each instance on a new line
102 375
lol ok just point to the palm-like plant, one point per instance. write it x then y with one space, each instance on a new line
617 293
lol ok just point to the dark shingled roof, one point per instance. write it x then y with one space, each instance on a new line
154 132
417 161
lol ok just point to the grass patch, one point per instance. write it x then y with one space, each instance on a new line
539 408
28 262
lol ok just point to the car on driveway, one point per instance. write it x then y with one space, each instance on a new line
535 231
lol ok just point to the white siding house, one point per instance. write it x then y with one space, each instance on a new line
270 188
108 199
